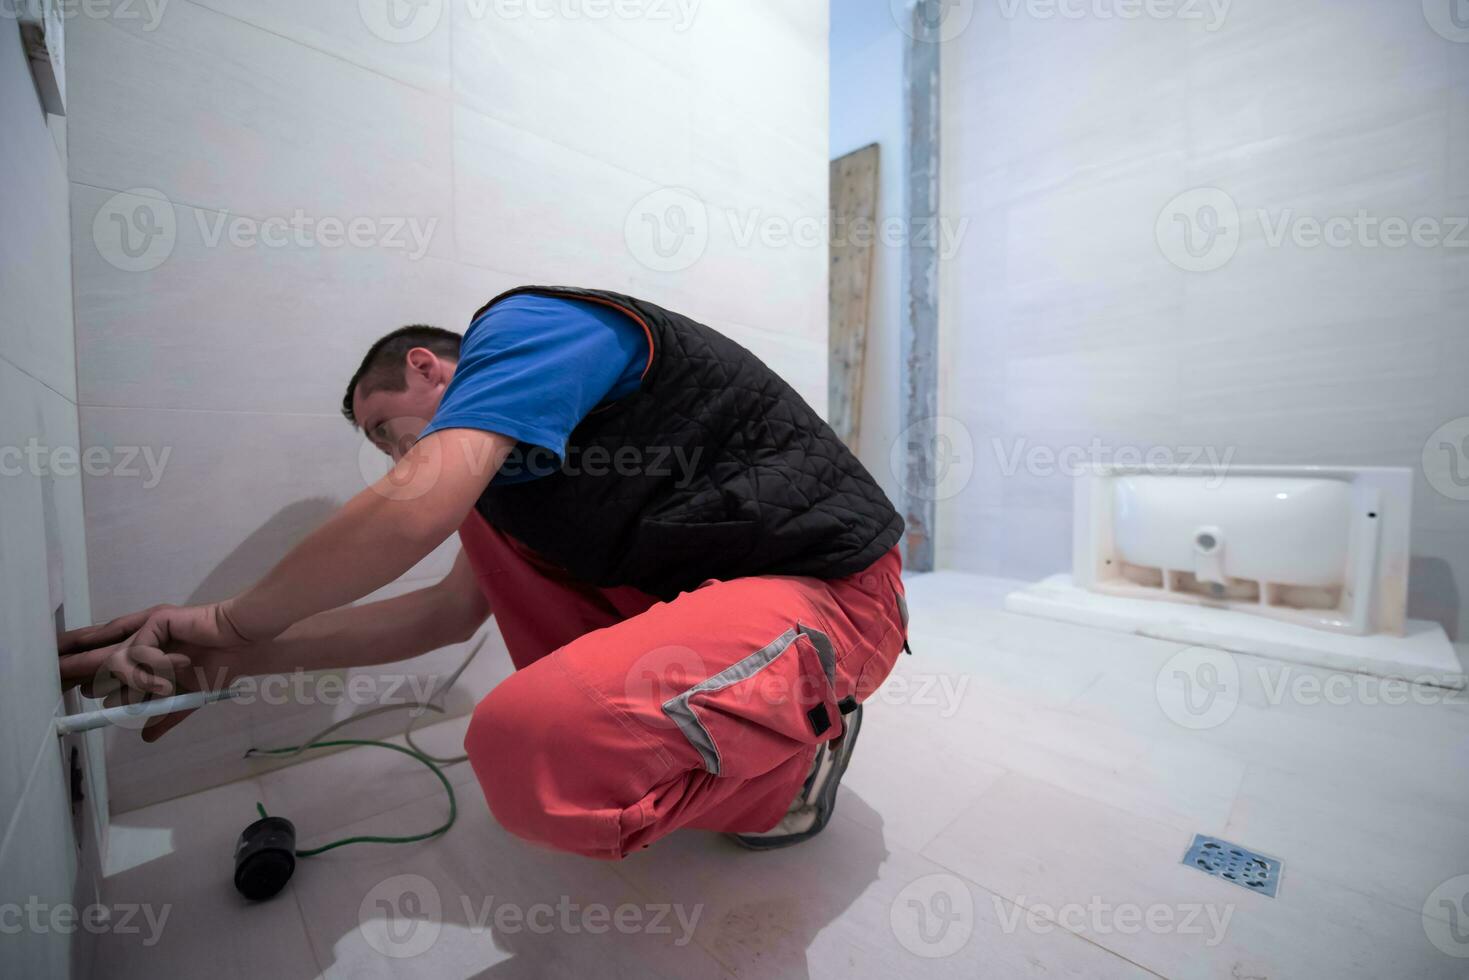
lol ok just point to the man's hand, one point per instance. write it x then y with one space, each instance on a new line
150 659
84 652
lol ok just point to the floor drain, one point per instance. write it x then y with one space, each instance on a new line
1246 868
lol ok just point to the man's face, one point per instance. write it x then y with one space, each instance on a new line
392 420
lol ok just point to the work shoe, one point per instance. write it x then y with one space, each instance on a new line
814 804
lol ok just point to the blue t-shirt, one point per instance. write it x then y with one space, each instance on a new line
531 368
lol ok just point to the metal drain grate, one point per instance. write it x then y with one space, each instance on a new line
1246 868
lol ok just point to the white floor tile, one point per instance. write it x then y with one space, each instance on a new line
179 860
1018 805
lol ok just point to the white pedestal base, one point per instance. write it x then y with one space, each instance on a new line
1422 655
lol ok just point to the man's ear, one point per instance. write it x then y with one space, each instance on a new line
426 364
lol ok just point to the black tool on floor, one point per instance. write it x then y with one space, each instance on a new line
265 858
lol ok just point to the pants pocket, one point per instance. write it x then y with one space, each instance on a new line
752 716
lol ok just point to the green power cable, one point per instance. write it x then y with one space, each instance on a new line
368 839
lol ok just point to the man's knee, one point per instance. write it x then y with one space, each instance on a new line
549 762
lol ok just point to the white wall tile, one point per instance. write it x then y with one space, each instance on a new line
38 863
1066 138
528 141
412 47
216 114
32 687
35 263
281 330
580 103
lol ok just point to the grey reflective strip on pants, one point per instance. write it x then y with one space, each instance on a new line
682 713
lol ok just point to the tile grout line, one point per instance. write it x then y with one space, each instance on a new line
991 892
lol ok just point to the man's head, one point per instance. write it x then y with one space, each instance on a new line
398 387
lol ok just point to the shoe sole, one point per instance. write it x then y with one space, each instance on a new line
825 804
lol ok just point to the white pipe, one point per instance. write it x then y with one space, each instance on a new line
88 720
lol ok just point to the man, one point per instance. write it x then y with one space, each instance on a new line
697 582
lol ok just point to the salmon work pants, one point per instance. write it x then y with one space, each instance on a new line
628 718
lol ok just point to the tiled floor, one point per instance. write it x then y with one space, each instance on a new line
1018 805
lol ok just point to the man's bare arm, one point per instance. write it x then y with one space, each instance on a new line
353 636
378 535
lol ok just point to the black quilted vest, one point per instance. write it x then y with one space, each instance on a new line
713 468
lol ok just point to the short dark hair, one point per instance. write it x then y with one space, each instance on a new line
384 367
